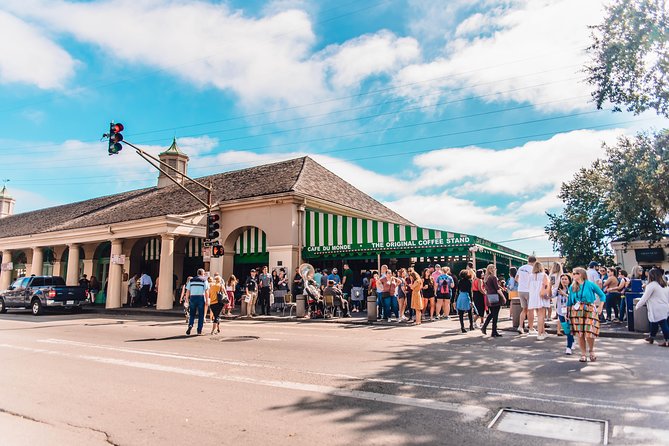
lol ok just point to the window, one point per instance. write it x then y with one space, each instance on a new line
57 281
37 281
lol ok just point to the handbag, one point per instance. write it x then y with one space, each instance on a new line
493 300
223 298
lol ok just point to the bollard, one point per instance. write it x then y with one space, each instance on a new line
371 308
301 305
243 308
515 312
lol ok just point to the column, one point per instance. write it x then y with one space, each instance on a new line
58 252
494 259
115 280
88 267
228 263
285 256
72 265
165 291
37 265
6 276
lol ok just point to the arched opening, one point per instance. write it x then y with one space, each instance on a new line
250 250
19 259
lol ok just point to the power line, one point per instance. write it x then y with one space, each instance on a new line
462 132
521 238
384 155
439 92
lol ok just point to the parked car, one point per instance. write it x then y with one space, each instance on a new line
42 292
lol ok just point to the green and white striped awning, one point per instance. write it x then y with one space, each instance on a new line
334 234
251 242
152 248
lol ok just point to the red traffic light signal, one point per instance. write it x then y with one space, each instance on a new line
212 226
115 138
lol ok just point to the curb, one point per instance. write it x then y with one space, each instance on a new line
602 334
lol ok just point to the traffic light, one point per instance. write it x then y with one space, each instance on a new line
217 250
212 226
115 138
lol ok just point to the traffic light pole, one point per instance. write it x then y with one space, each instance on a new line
150 159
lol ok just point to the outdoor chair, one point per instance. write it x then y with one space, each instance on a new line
288 304
328 300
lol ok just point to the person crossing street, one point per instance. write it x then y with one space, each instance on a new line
197 294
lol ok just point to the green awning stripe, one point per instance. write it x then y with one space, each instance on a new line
335 230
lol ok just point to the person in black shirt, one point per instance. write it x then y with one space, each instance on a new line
251 289
464 302
298 283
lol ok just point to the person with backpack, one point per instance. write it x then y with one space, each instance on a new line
444 288
197 296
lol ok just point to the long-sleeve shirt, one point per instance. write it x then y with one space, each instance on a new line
587 294
656 298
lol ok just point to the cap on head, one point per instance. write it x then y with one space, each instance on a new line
593 264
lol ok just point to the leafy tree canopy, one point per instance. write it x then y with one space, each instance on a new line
630 56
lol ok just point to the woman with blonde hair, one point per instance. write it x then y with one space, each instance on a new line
539 299
583 313
495 299
230 286
416 297
216 294
554 279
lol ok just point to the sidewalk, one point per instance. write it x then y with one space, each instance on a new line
618 330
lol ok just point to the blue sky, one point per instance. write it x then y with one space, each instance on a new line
460 115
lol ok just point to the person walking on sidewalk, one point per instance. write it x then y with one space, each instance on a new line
216 293
656 298
583 313
495 299
197 296
251 290
523 281
540 298
561 298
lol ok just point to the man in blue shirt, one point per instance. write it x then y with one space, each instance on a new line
196 294
334 276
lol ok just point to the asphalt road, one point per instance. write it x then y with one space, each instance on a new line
98 380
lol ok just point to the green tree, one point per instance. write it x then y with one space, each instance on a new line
584 229
630 56
640 186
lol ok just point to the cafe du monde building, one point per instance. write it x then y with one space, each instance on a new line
279 215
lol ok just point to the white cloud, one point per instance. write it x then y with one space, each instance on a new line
531 43
30 57
368 55
539 206
28 201
524 171
265 60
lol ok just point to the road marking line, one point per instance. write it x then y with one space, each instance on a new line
469 412
638 435
516 394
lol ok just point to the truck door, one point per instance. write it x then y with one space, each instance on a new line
12 297
32 287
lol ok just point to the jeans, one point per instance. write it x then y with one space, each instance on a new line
196 304
570 337
623 309
389 305
494 314
664 324
612 303
263 298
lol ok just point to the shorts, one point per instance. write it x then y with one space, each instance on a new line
524 298
444 296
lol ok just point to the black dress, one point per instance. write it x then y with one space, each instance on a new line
479 302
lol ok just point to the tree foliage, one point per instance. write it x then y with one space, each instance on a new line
583 231
624 196
630 56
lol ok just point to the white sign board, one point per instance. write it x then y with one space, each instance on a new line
118 259
7 266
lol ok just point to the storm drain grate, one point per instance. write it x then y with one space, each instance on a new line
557 427
237 339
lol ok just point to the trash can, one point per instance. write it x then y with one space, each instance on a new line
515 311
242 311
630 297
641 323
301 305
371 308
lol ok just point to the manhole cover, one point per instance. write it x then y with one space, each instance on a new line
557 427
238 339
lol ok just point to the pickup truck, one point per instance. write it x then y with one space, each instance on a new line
42 292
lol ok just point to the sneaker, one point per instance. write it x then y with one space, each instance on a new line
541 337
533 332
188 331
567 351
520 331
446 318
436 318
390 319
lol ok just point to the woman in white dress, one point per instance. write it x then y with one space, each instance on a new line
540 299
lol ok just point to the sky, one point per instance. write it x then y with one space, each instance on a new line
464 115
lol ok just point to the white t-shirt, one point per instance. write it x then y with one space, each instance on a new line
593 275
524 273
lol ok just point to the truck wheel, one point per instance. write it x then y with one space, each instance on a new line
37 307
3 307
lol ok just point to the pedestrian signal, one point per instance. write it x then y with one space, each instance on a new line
217 250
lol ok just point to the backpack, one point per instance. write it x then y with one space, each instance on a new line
444 287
